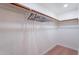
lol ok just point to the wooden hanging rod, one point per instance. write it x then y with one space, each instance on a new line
21 6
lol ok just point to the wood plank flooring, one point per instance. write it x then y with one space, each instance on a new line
61 50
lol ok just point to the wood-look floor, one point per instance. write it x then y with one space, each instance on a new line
61 50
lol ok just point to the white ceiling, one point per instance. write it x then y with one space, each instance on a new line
56 10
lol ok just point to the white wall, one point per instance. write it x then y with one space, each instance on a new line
68 35
40 37
16 37
11 32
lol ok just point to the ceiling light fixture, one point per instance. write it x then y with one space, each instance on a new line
65 5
